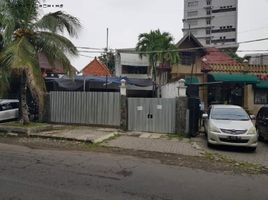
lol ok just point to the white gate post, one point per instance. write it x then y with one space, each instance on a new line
182 109
123 106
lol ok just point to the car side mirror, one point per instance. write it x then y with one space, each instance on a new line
204 116
252 117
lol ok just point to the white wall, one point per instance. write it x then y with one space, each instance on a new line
170 90
130 59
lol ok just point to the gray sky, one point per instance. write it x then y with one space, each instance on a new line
126 19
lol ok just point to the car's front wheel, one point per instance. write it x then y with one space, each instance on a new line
260 137
252 149
209 144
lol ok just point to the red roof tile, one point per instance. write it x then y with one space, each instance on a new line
96 68
216 60
216 56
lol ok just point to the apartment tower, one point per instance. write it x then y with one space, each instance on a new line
212 22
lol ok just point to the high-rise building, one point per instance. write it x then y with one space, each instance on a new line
212 22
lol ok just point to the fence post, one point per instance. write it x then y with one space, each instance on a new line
46 117
181 110
123 106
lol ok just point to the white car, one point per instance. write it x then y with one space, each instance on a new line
9 109
229 125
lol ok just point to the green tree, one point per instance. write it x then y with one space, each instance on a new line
159 49
24 37
108 58
233 55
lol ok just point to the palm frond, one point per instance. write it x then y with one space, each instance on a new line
53 42
58 22
15 15
20 54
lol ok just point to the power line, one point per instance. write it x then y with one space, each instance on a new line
250 41
91 48
251 30
83 51
194 48
86 56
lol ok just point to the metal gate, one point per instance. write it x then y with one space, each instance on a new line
92 108
152 115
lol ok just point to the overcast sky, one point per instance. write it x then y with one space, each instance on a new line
126 19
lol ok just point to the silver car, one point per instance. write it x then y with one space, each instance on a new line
9 109
229 125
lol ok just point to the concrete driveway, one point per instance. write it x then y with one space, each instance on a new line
260 156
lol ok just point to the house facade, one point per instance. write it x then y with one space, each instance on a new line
217 78
241 84
129 64
189 68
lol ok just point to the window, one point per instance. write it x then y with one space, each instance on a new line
208 12
187 58
6 106
192 3
260 96
229 114
207 41
192 13
14 105
208 31
127 69
208 2
208 21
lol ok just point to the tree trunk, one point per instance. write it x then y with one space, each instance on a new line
154 78
24 113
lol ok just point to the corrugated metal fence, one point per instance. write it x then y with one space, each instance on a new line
152 115
92 108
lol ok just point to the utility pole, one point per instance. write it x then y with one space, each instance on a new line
107 46
107 39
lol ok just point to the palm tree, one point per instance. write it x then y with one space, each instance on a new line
25 36
159 48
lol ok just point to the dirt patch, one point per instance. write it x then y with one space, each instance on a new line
209 162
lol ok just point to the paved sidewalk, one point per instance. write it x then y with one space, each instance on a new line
153 142
83 134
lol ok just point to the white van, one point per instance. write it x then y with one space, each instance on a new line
9 109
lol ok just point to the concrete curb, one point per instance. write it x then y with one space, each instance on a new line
105 137
24 130
59 137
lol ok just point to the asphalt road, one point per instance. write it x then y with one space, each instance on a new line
49 174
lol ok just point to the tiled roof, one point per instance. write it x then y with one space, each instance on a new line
216 56
256 69
218 61
45 65
96 68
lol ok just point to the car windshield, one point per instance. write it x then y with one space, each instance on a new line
229 114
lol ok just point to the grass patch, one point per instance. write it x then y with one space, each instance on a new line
175 136
239 165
